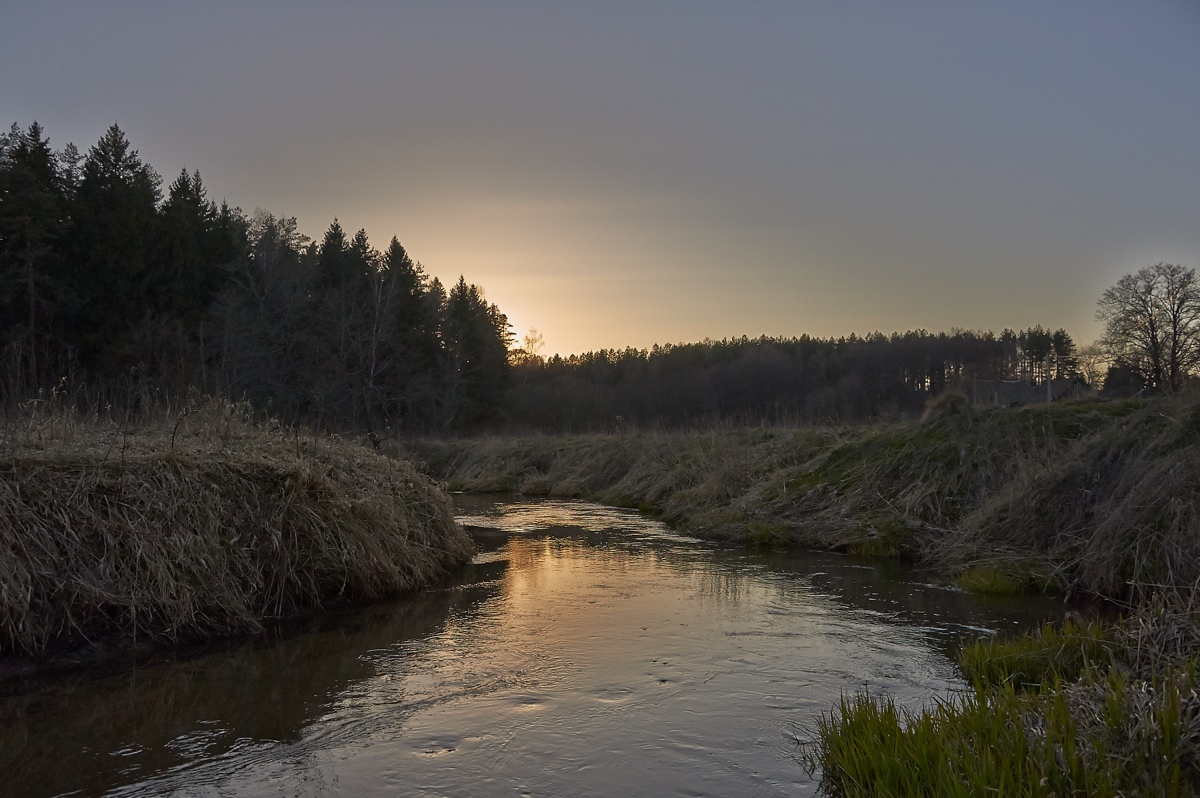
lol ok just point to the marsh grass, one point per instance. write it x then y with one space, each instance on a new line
1065 712
1076 496
1006 576
1118 509
1051 654
199 521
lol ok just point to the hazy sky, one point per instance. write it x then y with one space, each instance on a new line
624 173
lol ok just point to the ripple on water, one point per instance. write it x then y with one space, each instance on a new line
592 652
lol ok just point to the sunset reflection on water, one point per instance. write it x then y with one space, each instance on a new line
588 651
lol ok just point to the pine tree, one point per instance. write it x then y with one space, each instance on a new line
113 238
477 337
31 225
334 262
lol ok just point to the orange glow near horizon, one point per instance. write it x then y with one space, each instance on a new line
625 178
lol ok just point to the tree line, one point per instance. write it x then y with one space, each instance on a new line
107 283
776 380
1150 345
111 287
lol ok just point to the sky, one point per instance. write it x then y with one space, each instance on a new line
621 174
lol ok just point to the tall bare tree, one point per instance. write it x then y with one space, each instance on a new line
1152 324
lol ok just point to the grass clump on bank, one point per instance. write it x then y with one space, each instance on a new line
1076 711
1031 660
200 523
1008 576
990 580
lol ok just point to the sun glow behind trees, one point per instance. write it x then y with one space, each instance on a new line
114 288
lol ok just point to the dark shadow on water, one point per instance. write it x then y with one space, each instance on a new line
93 733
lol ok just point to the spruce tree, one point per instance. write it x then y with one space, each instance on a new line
31 222
333 263
112 247
476 337
191 254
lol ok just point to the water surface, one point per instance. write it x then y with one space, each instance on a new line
588 651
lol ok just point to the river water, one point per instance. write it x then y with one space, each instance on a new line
588 651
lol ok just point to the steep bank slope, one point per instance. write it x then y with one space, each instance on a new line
1096 496
201 524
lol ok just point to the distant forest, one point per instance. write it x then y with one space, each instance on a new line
779 380
113 291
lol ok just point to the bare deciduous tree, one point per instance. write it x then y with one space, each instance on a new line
1093 362
1152 324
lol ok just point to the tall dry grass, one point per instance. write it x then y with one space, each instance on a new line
1102 497
1118 510
200 521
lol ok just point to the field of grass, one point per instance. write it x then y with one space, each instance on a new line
1087 496
200 522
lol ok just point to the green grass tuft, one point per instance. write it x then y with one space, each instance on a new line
1039 658
988 580
767 533
879 546
1103 738
1084 710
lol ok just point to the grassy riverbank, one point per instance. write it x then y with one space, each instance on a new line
201 523
1091 496
1097 497
1083 710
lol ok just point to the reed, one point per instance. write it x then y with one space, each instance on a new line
198 522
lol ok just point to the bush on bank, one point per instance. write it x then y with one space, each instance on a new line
200 523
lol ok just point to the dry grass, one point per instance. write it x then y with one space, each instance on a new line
947 403
709 483
1118 511
1101 497
200 522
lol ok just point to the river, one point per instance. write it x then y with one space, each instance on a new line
588 651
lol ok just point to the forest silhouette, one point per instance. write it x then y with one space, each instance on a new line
112 290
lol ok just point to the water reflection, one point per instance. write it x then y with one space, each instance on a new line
587 652
878 588
91 733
